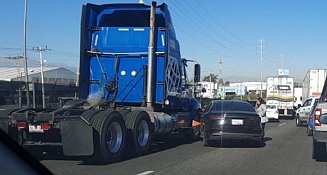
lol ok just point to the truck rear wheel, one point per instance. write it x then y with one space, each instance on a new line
194 134
140 131
112 135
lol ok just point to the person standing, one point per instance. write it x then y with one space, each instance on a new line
261 110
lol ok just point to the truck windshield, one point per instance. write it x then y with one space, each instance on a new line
130 18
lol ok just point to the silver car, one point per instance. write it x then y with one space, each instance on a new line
303 112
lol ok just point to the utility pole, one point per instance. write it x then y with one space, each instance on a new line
221 69
19 75
25 57
241 89
41 50
261 55
221 77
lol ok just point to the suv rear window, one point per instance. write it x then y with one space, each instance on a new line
231 106
323 119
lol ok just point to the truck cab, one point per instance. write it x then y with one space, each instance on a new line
133 86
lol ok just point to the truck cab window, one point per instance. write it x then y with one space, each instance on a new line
130 18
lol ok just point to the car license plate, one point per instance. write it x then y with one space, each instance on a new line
35 128
237 122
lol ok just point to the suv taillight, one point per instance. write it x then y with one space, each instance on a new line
317 115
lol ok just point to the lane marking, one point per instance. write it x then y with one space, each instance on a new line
145 173
282 124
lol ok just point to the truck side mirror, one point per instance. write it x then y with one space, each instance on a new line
197 73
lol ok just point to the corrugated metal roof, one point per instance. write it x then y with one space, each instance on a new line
8 74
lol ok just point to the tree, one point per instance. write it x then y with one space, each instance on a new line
252 96
221 82
211 78
227 83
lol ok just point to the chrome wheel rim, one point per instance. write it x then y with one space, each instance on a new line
115 137
143 133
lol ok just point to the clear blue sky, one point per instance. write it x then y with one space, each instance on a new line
207 30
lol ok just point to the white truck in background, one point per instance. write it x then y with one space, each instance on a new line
298 98
280 92
313 83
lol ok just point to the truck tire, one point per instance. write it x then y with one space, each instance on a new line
89 115
140 130
111 130
194 134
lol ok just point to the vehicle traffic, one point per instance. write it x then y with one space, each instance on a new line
313 83
280 92
303 112
120 88
319 149
130 89
231 119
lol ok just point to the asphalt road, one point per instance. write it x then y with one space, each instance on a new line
287 151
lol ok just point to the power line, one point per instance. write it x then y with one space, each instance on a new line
219 24
203 19
203 31
199 28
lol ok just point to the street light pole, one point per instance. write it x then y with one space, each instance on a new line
25 57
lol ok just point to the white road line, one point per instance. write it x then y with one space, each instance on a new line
282 124
146 172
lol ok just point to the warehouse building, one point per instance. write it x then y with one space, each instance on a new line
52 75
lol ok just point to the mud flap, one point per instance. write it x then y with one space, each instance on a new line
76 138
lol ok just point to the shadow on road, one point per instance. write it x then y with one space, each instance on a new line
158 144
274 121
240 143
266 139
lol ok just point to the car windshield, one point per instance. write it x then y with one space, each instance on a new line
145 87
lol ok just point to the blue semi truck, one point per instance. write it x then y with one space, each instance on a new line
133 86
